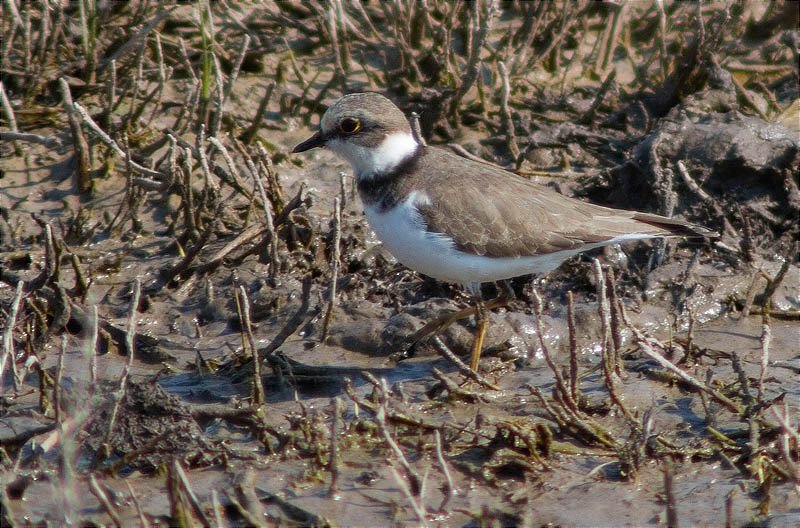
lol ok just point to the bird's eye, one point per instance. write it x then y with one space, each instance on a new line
348 125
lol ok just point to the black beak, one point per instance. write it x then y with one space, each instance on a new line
313 142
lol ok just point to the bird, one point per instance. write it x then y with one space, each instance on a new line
462 221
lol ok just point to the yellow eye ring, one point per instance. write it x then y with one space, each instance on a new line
349 125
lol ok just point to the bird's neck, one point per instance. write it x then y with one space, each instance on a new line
382 160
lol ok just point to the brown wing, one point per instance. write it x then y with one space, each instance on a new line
500 214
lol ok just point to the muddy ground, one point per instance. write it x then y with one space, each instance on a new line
156 234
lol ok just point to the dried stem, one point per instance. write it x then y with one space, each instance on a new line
335 257
268 220
505 113
560 384
80 144
333 462
57 392
105 138
8 110
252 130
462 367
243 305
448 488
122 385
574 384
608 359
8 338
105 502
669 495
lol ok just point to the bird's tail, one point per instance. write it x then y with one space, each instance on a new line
674 227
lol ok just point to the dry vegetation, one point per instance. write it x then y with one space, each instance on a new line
155 236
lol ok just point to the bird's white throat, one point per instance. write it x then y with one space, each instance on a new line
370 161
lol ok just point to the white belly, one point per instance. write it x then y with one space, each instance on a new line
403 233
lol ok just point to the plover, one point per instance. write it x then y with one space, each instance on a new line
463 221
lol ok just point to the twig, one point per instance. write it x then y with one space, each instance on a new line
252 130
237 66
342 189
766 338
268 220
706 198
187 64
105 138
662 37
143 522
268 170
448 488
169 274
98 492
505 113
455 392
123 379
111 89
338 62
560 385
234 170
481 22
210 184
462 367
49 142
8 337
8 110
295 321
414 479
774 283
616 27
80 144
217 507
243 303
750 294
669 495
574 386
57 392
187 195
570 420
217 119
245 488
607 357
608 83
91 348
183 479
729 508
337 237
137 38
333 463
131 333
616 328
416 505
249 518
645 347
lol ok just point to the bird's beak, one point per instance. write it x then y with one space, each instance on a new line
314 141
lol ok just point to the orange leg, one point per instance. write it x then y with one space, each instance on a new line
481 323
480 310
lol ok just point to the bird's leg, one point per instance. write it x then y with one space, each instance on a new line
441 323
505 297
481 322
482 318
